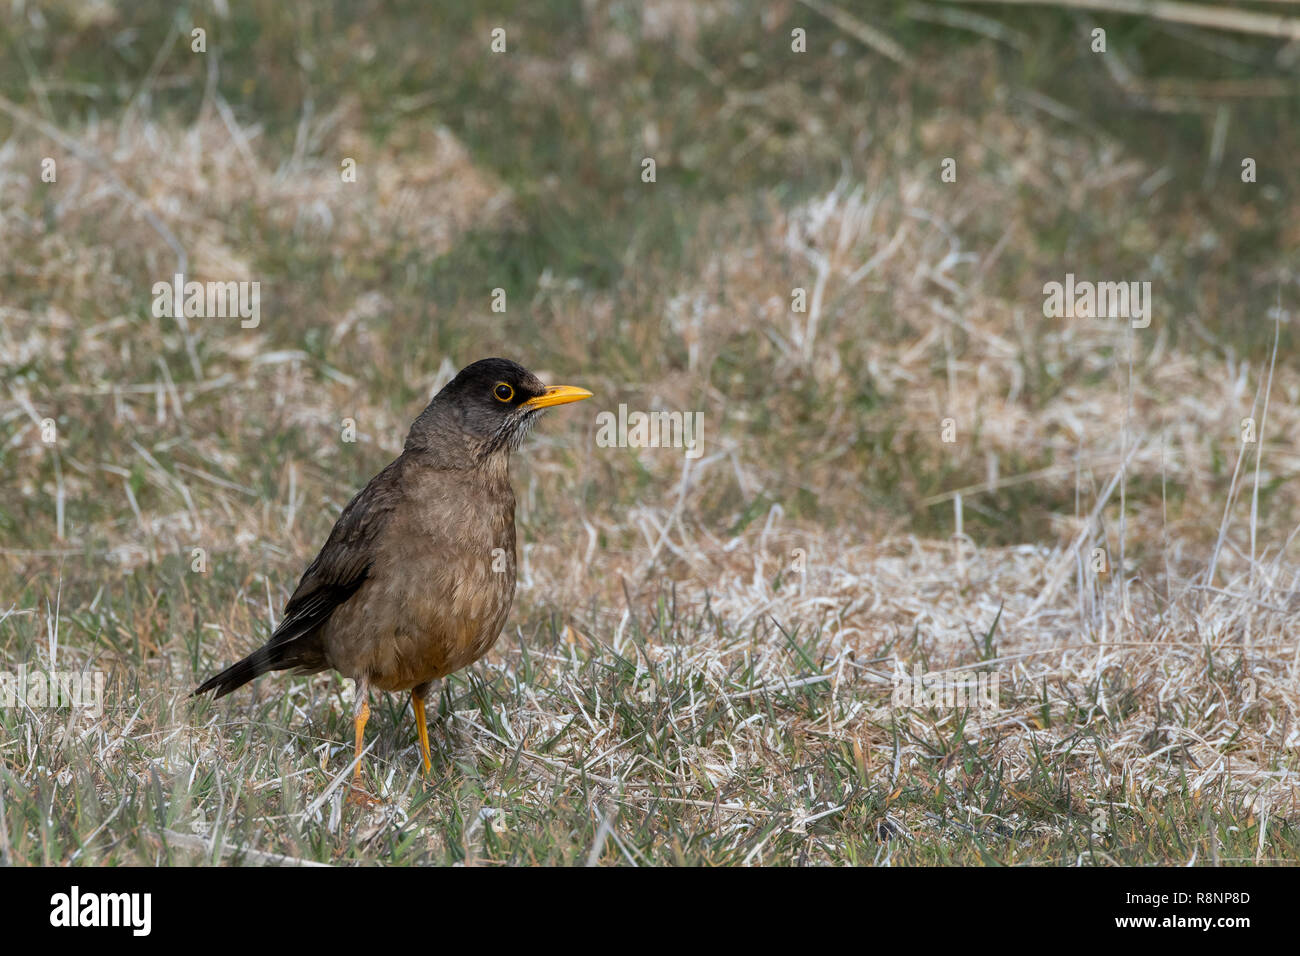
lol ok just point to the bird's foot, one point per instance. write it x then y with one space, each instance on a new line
358 797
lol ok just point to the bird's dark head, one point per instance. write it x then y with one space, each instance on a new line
488 407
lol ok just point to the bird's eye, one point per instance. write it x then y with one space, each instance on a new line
503 392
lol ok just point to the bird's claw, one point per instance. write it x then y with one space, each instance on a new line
359 798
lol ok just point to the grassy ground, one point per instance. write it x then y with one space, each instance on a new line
698 667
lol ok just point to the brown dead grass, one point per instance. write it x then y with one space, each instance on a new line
158 460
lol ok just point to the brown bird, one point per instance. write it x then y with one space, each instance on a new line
416 579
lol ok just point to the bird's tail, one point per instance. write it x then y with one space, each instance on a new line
270 657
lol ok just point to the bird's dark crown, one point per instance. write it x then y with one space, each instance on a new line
476 384
487 408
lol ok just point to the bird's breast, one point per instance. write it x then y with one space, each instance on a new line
438 595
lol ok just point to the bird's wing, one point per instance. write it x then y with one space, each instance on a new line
344 562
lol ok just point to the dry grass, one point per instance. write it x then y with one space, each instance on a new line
699 665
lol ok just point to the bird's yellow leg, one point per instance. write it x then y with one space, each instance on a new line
356 794
363 715
417 702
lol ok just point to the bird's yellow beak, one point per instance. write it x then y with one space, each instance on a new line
558 395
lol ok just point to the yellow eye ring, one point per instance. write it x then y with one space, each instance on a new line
503 392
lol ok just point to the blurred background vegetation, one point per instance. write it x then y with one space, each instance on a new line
734 121
775 171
